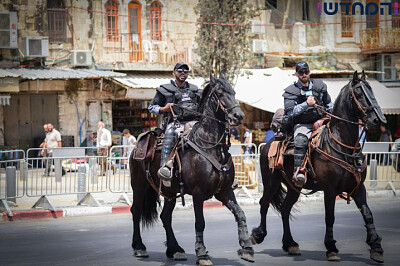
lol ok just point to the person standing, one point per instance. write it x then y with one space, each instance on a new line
299 101
130 142
178 93
103 143
42 145
53 140
248 138
386 136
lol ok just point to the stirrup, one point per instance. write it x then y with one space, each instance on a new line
299 178
165 172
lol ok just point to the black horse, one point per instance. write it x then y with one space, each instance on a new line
207 170
340 147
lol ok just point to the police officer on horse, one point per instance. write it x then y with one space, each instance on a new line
183 98
300 99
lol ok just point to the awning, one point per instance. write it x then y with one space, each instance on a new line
142 85
57 73
263 89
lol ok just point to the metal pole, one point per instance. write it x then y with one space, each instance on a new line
81 183
373 172
11 183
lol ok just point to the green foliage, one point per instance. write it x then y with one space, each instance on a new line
71 88
224 45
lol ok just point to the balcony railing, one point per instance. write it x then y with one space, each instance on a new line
149 52
380 40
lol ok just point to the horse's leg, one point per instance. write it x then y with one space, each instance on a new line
288 244
201 252
229 200
139 249
173 249
373 239
329 241
259 233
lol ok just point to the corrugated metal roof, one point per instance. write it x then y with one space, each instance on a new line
7 74
58 73
151 80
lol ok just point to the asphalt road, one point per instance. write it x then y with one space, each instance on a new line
105 240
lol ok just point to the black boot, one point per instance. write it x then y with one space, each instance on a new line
300 149
299 176
170 140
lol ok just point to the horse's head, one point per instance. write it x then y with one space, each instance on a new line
366 106
225 95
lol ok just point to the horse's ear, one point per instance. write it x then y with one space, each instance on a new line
212 78
363 75
355 76
222 75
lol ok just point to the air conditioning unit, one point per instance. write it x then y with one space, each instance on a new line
36 46
257 27
386 64
259 46
8 30
81 58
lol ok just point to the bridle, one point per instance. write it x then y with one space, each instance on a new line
361 108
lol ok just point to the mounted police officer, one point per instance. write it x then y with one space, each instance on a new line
183 98
299 100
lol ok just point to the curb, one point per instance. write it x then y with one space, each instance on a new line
212 203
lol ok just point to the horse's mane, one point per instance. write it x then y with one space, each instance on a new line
204 96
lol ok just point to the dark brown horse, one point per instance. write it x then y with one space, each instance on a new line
355 101
207 171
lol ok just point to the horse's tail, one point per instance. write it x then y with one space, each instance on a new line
271 180
149 207
143 194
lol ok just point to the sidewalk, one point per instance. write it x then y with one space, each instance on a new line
66 205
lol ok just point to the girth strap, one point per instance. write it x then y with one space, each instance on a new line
220 167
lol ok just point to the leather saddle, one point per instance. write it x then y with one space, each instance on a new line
148 142
281 148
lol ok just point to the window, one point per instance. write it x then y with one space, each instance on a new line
373 20
347 19
306 10
395 18
57 23
112 21
135 31
155 21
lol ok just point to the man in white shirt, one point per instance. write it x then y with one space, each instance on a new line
53 140
103 145
130 142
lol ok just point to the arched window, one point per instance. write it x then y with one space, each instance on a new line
155 21
135 31
112 21
347 18
57 23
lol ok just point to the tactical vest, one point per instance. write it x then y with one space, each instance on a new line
187 98
312 113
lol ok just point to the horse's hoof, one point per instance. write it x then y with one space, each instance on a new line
377 256
140 253
246 254
333 256
180 256
205 262
294 251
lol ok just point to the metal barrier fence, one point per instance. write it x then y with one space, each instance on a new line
66 171
81 171
120 182
12 174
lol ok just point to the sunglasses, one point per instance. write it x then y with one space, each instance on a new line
179 70
304 72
